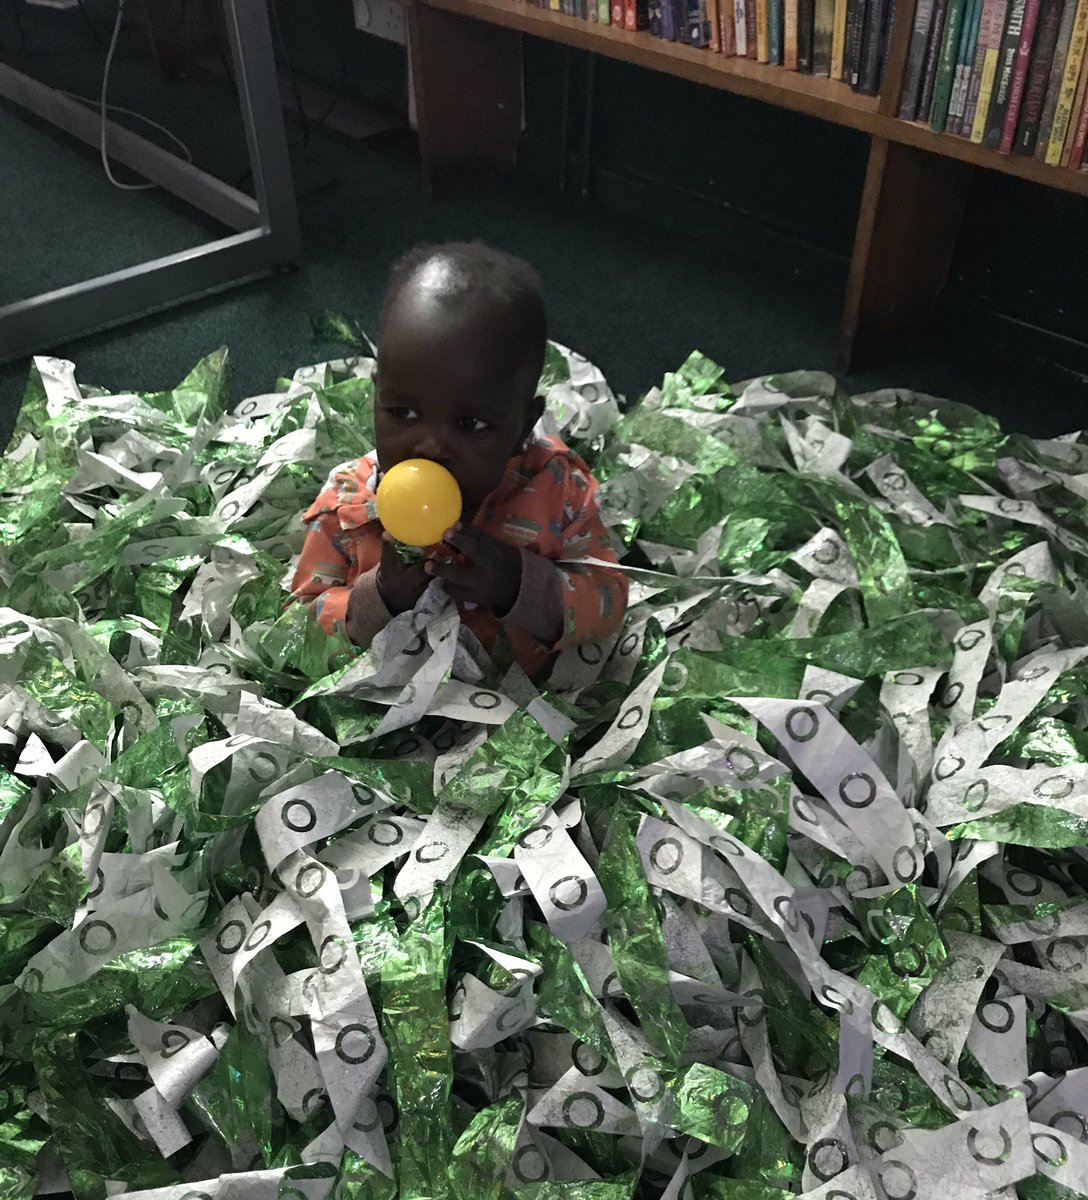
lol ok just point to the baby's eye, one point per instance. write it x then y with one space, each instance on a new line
474 425
402 414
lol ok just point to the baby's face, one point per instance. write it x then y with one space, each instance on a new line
446 391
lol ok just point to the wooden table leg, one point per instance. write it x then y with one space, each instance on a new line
911 209
467 86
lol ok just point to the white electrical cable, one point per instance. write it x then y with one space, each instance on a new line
105 107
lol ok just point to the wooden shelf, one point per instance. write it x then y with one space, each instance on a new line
466 68
823 98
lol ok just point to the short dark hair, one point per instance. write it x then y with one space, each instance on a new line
474 268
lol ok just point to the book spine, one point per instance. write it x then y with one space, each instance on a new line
1070 81
698 27
912 78
933 60
1042 59
1074 116
617 13
823 33
604 12
968 42
806 24
790 52
1006 60
855 23
656 18
1054 83
774 31
751 19
950 45
988 73
1019 75
714 25
873 39
763 50
668 20
838 39
1080 137
740 26
728 24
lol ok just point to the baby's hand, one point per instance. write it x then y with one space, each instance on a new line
490 576
399 586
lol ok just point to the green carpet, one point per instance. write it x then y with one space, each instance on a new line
633 295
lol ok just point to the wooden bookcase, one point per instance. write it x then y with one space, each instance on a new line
465 67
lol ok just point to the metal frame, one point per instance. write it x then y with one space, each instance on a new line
268 233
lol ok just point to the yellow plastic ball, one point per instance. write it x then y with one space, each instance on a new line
418 500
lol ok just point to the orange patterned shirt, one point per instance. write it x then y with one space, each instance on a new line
546 503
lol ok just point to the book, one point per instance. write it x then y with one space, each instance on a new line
872 42
968 43
932 60
806 23
670 20
1074 116
774 31
740 26
916 58
656 18
886 41
1080 137
838 39
714 22
994 13
946 66
604 12
617 12
1042 58
1070 81
823 32
789 34
1006 59
1019 75
728 27
698 25
763 46
1054 84
751 19
855 24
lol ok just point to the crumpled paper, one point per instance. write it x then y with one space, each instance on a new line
780 891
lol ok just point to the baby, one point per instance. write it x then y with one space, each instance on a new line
460 351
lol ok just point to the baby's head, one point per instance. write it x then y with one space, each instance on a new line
460 352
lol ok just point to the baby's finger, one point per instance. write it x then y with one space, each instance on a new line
460 575
471 542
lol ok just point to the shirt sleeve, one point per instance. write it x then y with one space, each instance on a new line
594 598
321 579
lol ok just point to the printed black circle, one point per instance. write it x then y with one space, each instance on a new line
894 481
568 893
536 838
309 880
976 795
354 1054
970 638
230 938
857 790
311 1100
431 852
1030 673
783 905
332 954
948 766
100 886
951 695
222 478
1054 787
298 816
582 1110
627 645
385 833
263 768
1058 1155
804 810
1065 954
743 1013
996 1016
173 1041
588 1059
1023 883
836 999
738 901
529 1165
827 1158
725 845
908 679
877 1141
898 1180
485 700
630 718
666 855
509 1018
957 1092
905 863
1010 507
367 1117
645 1084
590 653
1071 1123
230 510
93 818
415 647
258 934
97 937
802 724
908 961
827 552
719 1108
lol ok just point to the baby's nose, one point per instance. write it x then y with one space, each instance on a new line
431 445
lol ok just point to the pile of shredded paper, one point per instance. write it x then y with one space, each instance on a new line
781 892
